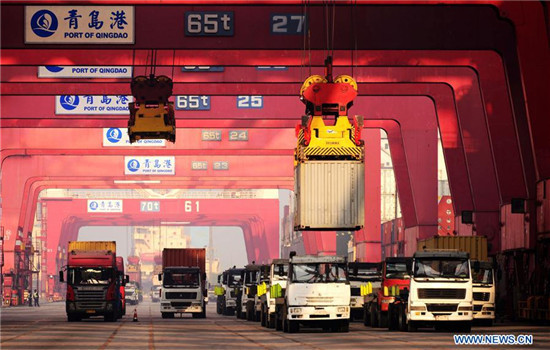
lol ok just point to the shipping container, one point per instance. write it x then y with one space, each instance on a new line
475 245
133 260
329 195
92 246
172 257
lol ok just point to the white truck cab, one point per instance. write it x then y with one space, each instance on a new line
483 292
440 292
232 285
246 307
278 274
317 294
182 292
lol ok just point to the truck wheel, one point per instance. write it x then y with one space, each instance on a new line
366 316
263 321
466 327
392 321
278 322
344 326
293 326
270 321
383 322
412 326
373 316
110 317
401 318
73 318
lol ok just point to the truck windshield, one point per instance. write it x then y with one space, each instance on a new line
251 277
280 271
235 280
483 276
364 274
90 275
181 277
439 268
396 270
319 273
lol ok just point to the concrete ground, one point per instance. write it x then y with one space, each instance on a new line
47 328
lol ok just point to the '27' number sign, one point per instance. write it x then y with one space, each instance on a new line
288 24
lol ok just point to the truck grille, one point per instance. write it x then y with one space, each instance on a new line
477 307
90 295
89 305
481 296
233 294
327 300
180 303
442 307
355 292
181 295
448 293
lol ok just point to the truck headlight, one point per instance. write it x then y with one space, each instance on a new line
418 308
295 310
464 308
343 309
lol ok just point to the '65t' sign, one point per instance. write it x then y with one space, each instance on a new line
209 23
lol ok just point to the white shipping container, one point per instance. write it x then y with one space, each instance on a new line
329 195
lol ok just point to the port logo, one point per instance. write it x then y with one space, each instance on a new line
133 165
69 102
93 205
44 23
114 135
54 69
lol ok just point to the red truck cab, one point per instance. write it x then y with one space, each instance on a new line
396 274
93 281
122 281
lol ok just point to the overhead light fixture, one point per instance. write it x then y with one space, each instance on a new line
137 181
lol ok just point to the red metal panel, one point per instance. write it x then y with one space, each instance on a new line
445 217
514 230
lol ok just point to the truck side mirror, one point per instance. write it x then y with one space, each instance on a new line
281 270
476 266
61 279
292 254
126 279
160 276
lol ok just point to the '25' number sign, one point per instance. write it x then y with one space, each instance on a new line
250 102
